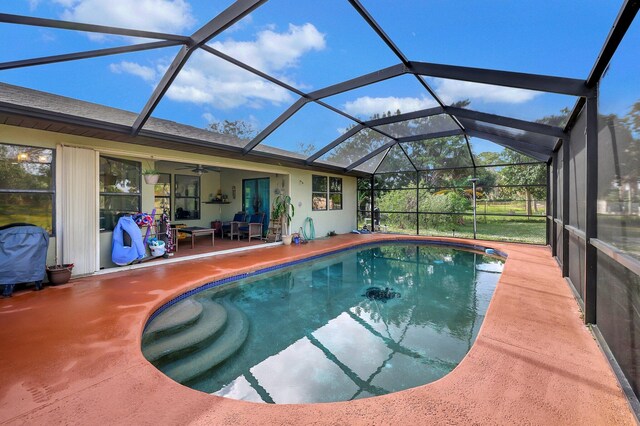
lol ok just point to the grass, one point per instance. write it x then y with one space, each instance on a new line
533 231
622 231
509 207
514 226
499 228
26 217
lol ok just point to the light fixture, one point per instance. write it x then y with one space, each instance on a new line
43 159
23 156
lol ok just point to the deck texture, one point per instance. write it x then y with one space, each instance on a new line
71 355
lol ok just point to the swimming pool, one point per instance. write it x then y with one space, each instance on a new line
359 323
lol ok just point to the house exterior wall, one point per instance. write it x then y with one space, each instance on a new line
296 182
340 221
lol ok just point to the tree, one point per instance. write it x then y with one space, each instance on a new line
29 173
558 120
524 177
448 153
620 165
488 158
305 148
632 119
359 145
238 128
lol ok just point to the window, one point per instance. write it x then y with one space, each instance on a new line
326 193
319 189
162 194
187 197
335 193
119 190
27 186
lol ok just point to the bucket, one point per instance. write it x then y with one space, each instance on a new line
157 249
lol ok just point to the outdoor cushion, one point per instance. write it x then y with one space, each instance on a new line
231 228
253 228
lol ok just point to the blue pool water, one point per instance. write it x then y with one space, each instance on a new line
361 323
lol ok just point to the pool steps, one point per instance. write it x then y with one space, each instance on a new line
184 355
190 337
181 315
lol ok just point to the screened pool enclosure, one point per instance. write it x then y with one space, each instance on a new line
365 89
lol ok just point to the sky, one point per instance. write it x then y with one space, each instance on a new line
311 44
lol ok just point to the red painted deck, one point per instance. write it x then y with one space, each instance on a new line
71 355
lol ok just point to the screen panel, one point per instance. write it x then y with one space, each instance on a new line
619 148
577 264
618 304
559 186
439 153
578 174
396 161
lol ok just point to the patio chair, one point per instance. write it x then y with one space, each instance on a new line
253 228
231 227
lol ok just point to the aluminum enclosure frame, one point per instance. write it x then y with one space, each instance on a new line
585 90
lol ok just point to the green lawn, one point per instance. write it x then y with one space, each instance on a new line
509 207
500 228
532 231
512 226
622 231
35 218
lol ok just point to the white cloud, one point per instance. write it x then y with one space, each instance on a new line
273 51
172 16
454 90
240 25
208 117
146 73
65 3
33 4
205 79
367 106
208 80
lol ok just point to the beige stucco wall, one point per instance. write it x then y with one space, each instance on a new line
340 221
297 182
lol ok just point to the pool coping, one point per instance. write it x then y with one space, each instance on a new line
533 361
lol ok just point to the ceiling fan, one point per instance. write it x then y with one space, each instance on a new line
199 168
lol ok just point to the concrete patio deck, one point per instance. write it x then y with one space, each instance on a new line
71 355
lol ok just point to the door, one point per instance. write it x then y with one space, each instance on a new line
255 199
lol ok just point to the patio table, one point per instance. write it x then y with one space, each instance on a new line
194 231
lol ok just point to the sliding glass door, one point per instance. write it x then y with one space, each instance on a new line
255 199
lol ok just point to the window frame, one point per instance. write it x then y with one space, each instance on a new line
329 203
156 197
326 194
120 194
52 191
198 198
321 193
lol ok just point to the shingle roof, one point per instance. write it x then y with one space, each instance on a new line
69 108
